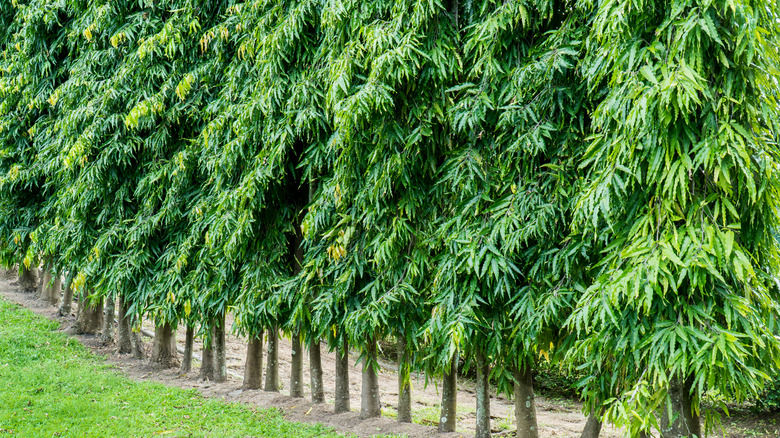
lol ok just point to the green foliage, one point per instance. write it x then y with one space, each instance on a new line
769 400
681 180
592 182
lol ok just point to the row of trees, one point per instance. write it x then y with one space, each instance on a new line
489 181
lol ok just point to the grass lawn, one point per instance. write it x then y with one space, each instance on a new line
51 385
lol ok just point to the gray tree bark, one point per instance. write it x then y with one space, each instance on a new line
404 383
124 343
220 351
28 279
67 299
253 371
207 368
107 337
189 341
449 398
341 402
315 372
164 347
684 422
370 405
483 397
272 367
51 289
525 405
296 366
128 340
592 427
90 317
139 351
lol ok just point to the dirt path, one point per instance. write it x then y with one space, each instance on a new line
558 418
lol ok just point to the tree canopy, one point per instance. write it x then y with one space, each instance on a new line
593 183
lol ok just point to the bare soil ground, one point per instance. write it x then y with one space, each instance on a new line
556 417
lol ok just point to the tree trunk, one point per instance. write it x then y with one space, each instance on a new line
138 345
449 398
370 406
253 371
50 292
525 406
129 339
592 427
44 278
124 343
404 383
90 317
341 403
164 347
28 279
107 337
220 350
483 397
67 300
315 372
189 340
296 366
684 422
272 368
207 370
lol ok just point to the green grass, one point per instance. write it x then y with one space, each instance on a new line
51 385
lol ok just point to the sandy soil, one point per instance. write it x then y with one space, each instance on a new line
556 418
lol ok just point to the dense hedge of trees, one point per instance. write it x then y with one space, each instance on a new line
594 183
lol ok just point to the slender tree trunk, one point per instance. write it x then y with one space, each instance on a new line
592 427
296 361
124 343
272 368
67 299
107 337
220 350
44 277
253 371
483 397
207 368
189 341
315 353
370 405
164 347
90 317
686 423
315 372
28 279
296 366
449 398
139 351
525 406
129 338
51 289
404 383
341 403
